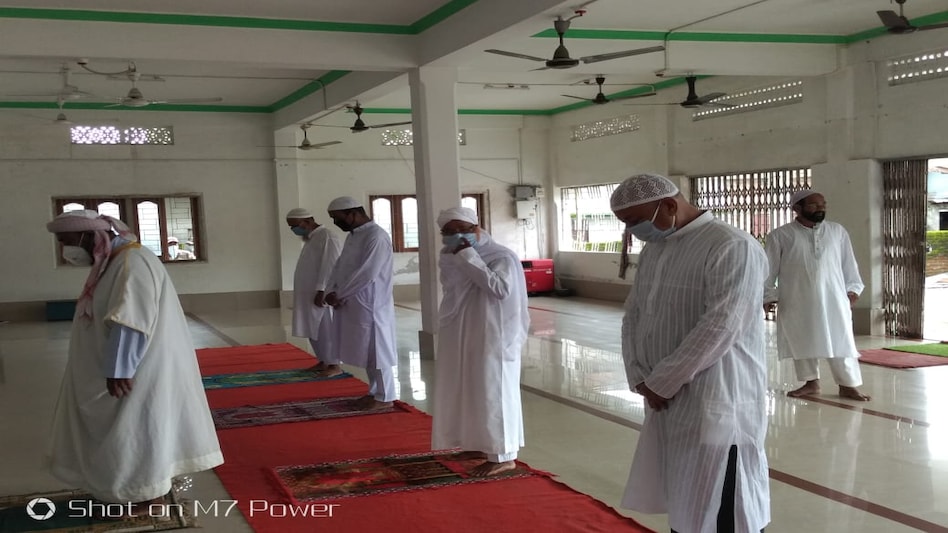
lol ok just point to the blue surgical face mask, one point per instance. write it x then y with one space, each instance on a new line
646 230
301 231
453 241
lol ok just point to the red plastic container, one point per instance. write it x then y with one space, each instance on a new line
539 274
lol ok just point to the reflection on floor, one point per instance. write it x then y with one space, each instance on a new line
836 465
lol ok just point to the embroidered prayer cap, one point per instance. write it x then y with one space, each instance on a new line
800 195
641 189
464 214
299 212
342 203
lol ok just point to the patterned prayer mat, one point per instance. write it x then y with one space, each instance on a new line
72 511
298 411
264 377
381 475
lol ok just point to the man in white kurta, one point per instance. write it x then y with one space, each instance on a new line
815 279
484 322
361 293
693 346
132 413
312 318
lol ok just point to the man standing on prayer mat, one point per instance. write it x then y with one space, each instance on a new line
693 346
132 413
312 318
484 322
360 291
815 281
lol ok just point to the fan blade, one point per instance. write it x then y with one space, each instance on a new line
315 146
389 125
891 19
933 26
643 95
577 97
706 99
616 55
514 54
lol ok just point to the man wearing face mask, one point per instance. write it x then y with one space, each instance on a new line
312 318
693 346
360 289
815 281
484 322
132 413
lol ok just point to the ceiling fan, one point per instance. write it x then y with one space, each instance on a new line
693 100
67 92
134 97
602 99
898 23
360 126
306 144
561 58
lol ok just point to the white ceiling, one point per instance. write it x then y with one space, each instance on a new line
287 44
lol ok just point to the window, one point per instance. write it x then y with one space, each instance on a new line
406 137
604 128
113 135
588 224
166 225
780 94
755 202
918 67
397 214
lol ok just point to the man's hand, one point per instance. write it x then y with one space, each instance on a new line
770 307
655 401
333 300
119 387
464 244
852 298
320 299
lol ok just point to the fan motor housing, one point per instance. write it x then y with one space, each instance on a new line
562 63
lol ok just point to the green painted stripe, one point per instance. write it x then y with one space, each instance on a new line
202 108
634 35
308 89
438 15
934 18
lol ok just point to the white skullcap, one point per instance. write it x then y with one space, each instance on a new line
172 240
799 195
299 212
343 202
641 189
464 214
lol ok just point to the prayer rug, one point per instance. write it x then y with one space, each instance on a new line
265 377
897 359
381 475
298 411
252 358
71 511
938 349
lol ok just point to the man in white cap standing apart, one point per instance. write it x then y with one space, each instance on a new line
132 412
361 291
815 279
693 345
484 322
312 318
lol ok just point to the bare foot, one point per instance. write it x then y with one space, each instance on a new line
359 403
853 394
318 367
488 468
468 455
329 371
375 404
808 389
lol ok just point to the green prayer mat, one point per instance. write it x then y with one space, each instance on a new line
937 348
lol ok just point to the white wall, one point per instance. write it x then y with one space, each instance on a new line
221 157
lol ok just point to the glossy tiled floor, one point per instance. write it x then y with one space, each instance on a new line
836 465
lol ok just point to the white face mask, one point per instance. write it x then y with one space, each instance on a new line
173 251
77 256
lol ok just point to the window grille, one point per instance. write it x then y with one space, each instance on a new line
604 128
776 95
918 67
113 135
587 221
405 137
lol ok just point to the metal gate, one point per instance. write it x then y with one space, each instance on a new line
904 208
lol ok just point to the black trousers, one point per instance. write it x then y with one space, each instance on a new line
726 511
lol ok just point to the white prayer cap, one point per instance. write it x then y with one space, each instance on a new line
641 189
299 212
173 240
343 202
464 214
800 195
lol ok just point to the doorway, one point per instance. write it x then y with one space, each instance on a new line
935 324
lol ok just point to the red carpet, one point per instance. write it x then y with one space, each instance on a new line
895 359
515 505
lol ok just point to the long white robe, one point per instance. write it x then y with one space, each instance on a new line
693 332
484 322
319 254
362 279
811 270
129 449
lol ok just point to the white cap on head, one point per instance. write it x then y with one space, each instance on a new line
642 189
299 212
800 195
464 214
172 240
343 202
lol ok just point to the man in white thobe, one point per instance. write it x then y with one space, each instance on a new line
815 279
132 413
312 318
484 322
361 293
693 346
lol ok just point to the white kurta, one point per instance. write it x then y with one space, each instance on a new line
484 322
813 269
693 332
129 449
320 252
362 279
